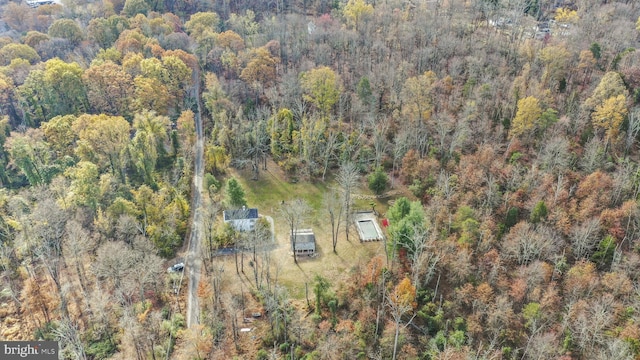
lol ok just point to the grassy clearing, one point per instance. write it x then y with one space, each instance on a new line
267 194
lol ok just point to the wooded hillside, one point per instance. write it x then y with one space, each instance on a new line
513 123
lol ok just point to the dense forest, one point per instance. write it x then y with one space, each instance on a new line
512 125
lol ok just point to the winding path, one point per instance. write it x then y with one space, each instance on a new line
193 258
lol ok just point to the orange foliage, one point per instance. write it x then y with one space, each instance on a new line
484 293
204 290
518 289
615 220
594 191
617 284
345 326
373 271
404 294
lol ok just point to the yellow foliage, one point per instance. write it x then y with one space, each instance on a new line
565 15
529 111
355 10
610 115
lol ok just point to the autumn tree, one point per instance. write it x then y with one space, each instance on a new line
261 68
355 10
109 89
60 135
610 86
18 51
56 90
103 139
401 301
609 116
527 116
322 88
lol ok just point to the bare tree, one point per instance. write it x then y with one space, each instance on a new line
78 243
424 258
335 208
259 240
633 130
328 151
294 213
49 222
210 212
526 243
594 155
584 238
380 142
348 177
400 147
71 343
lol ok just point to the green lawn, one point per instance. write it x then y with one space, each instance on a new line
270 190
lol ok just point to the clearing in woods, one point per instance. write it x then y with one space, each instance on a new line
267 194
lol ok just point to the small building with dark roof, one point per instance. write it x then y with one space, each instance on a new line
303 242
241 219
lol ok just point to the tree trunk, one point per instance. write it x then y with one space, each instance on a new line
395 340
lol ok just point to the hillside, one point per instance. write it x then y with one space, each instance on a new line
500 135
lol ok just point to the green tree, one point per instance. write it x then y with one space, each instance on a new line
538 213
406 218
320 288
66 29
56 90
59 133
378 181
321 87
106 31
32 155
103 140
235 194
201 24
364 91
134 7
604 254
18 51
84 187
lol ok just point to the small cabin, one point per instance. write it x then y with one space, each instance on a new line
303 242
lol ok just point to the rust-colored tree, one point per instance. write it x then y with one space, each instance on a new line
401 301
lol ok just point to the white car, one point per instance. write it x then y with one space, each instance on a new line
175 268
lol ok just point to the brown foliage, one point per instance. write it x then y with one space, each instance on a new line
594 193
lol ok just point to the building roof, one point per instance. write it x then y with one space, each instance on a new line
240 214
305 240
